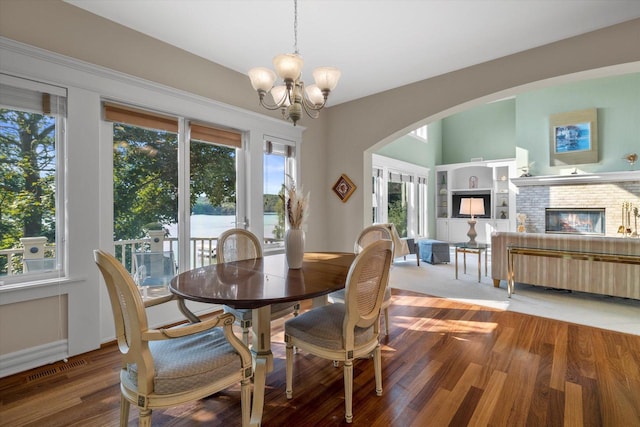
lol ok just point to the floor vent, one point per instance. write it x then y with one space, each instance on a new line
71 365
50 371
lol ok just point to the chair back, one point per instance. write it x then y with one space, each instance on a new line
237 244
127 306
366 284
371 234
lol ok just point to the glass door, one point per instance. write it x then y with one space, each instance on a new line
278 170
214 158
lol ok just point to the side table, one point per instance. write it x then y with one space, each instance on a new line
476 248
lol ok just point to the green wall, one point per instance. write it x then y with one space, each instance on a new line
520 128
488 131
617 100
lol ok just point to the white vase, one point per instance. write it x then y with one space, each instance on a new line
294 247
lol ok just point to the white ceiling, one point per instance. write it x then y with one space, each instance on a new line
377 44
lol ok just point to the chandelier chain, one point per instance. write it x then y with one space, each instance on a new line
295 26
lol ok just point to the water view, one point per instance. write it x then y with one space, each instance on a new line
214 225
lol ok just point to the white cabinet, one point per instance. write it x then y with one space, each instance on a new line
488 180
442 230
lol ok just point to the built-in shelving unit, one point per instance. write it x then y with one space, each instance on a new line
489 180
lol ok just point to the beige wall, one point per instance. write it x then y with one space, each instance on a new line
334 144
19 331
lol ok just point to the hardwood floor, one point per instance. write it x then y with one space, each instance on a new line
444 364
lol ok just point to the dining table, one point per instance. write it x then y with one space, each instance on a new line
256 284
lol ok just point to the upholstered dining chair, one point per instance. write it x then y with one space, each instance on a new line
368 235
168 367
344 332
238 244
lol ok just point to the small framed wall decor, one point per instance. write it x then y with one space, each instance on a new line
344 188
573 138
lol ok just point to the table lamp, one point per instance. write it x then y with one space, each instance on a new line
471 206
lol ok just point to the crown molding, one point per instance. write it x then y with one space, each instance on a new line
577 179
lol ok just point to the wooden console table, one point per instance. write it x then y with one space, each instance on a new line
557 253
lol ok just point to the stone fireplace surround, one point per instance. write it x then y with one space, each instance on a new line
598 190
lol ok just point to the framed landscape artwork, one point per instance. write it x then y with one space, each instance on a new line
573 138
344 188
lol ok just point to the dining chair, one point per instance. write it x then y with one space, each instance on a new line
368 235
170 366
239 244
344 332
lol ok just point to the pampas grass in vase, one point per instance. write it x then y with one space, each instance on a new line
296 208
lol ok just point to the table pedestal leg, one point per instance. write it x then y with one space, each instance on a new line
479 265
262 359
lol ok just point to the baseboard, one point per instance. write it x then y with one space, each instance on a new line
33 357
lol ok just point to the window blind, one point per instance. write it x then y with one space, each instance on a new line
35 101
119 113
208 133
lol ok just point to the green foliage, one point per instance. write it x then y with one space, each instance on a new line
398 217
27 177
146 179
278 229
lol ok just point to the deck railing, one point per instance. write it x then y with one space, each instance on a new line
202 251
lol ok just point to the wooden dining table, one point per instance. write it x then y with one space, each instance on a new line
256 284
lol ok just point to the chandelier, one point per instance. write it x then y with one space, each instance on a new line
292 96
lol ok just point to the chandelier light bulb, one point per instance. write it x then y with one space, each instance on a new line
280 97
288 66
326 77
314 94
262 78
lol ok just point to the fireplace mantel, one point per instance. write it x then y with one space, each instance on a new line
578 179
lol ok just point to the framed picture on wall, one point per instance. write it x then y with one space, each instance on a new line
573 138
344 188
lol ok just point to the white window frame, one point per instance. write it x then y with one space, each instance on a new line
388 165
60 147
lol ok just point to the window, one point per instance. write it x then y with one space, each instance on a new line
32 123
399 195
147 192
278 168
399 189
420 133
213 188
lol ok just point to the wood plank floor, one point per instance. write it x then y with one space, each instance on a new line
444 364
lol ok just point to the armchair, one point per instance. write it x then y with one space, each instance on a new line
366 237
344 332
167 367
238 244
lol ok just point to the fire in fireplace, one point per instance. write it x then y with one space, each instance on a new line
575 220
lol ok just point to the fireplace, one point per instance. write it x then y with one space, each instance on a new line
575 220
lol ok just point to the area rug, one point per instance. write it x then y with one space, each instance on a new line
612 313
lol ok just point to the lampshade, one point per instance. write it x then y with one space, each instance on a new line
326 77
288 66
280 97
262 78
314 94
471 206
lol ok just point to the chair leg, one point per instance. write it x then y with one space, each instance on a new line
245 401
124 411
145 418
348 390
377 368
289 368
386 321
